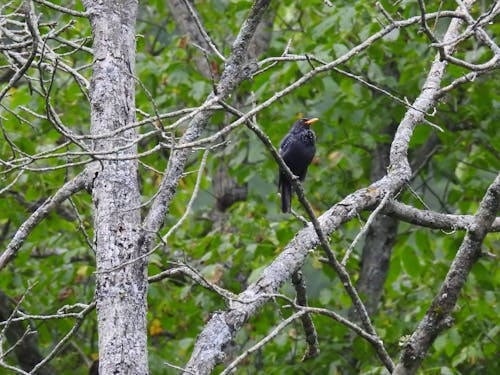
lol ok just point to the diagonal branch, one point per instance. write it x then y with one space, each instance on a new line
365 228
265 340
67 190
202 30
323 241
189 22
438 317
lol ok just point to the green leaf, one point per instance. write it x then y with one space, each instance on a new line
410 262
255 274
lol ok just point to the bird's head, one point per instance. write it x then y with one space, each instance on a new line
306 121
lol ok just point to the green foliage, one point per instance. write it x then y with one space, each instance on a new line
231 250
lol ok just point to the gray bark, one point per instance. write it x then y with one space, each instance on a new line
120 292
433 220
227 191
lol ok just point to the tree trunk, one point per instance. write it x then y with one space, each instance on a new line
121 290
379 239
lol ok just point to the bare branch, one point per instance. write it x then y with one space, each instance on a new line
62 9
363 230
185 269
189 22
493 63
433 220
202 30
476 27
65 340
262 342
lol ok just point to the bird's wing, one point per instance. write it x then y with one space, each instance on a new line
283 150
285 146
285 143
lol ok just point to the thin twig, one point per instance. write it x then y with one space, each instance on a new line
62 9
50 204
60 345
262 342
365 228
202 30
178 368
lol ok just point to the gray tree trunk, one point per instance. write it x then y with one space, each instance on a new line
121 290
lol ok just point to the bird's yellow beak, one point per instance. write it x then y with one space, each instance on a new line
309 122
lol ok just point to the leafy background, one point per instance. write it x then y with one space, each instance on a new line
253 232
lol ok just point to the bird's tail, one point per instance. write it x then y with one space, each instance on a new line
286 195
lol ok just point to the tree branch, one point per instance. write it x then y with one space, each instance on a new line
432 219
261 343
67 190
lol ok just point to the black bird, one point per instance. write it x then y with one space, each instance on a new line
297 150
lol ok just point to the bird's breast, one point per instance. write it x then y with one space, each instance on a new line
308 138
